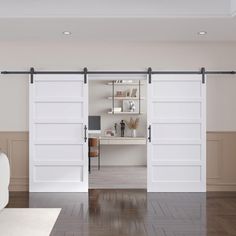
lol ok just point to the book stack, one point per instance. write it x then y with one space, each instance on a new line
117 109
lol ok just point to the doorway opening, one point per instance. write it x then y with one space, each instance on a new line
117 132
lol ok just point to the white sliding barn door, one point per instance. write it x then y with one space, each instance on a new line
177 151
58 121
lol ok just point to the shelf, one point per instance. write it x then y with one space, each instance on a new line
124 113
130 84
126 98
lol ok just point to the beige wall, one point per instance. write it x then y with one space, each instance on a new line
221 96
160 56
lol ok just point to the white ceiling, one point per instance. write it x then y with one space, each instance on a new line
116 8
118 20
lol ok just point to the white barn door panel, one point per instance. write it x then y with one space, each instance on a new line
58 121
177 150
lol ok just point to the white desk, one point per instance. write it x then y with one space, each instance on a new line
107 140
122 140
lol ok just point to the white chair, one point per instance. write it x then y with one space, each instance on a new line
4 180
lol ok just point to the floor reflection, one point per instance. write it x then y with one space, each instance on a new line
119 212
137 213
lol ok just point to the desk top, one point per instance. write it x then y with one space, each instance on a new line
110 140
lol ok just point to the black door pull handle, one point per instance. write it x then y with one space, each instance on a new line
149 133
85 134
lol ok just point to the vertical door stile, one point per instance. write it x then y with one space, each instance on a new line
31 129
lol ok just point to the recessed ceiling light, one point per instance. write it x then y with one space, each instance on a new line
202 33
67 33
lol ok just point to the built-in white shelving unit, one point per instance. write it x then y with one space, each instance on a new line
118 98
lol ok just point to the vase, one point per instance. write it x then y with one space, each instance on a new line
133 133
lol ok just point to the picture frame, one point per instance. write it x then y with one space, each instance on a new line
134 93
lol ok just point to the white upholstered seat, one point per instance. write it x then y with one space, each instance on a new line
4 180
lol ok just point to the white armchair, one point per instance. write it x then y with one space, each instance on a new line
4 180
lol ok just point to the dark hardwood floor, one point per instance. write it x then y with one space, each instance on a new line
136 213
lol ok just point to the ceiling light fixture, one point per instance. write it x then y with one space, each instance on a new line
202 33
67 33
